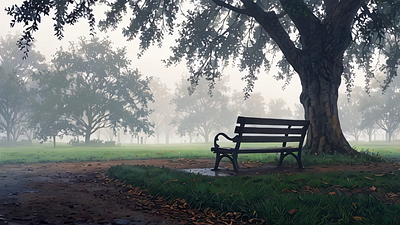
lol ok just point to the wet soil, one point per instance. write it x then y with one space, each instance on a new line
76 193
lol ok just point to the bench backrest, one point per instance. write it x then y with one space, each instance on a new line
250 129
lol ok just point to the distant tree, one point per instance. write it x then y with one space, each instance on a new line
163 109
103 92
15 84
351 119
200 113
369 128
252 106
12 58
383 110
277 108
50 115
14 104
350 114
298 113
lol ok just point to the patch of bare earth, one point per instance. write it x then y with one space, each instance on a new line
79 193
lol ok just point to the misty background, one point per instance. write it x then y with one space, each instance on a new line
169 85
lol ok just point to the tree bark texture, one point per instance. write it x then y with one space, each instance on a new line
319 98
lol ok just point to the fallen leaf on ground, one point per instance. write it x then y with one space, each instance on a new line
292 211
391 195
379 175
357 217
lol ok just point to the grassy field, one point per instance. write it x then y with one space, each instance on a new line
388 150
37 153
66 153
323 198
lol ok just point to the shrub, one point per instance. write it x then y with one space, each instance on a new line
109 143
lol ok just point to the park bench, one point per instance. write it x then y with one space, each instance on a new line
263 130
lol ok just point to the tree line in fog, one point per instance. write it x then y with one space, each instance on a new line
91 87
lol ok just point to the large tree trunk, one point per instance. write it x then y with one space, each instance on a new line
87 137
319 98
206 137
369 131
389 136
356 135
54 141
8 134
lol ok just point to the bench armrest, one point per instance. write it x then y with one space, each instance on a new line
222 134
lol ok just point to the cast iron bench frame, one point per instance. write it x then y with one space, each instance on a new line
263 130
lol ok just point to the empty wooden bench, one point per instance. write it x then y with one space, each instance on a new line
263 130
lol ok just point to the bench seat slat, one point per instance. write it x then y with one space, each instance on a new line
265 121
256 150
269 139
261 130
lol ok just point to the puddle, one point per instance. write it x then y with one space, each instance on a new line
208 172
23 192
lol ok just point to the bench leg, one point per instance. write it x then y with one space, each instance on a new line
235 163
299 160
297 157
232 158
283 155
217 161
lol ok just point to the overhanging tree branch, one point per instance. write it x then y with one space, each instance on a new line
343 15
330 5
231 7
271 24
302 16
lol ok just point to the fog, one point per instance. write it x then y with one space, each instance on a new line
150 65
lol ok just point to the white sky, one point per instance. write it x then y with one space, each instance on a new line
150 63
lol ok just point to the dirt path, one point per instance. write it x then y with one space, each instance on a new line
75 193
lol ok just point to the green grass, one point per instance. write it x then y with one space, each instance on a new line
65 153
271 197
323 198
390 151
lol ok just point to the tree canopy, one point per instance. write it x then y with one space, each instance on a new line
320 41
15 85
383 110
253 106
163 109
92 87
14 105
200 114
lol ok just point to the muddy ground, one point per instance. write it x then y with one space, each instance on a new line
78 193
